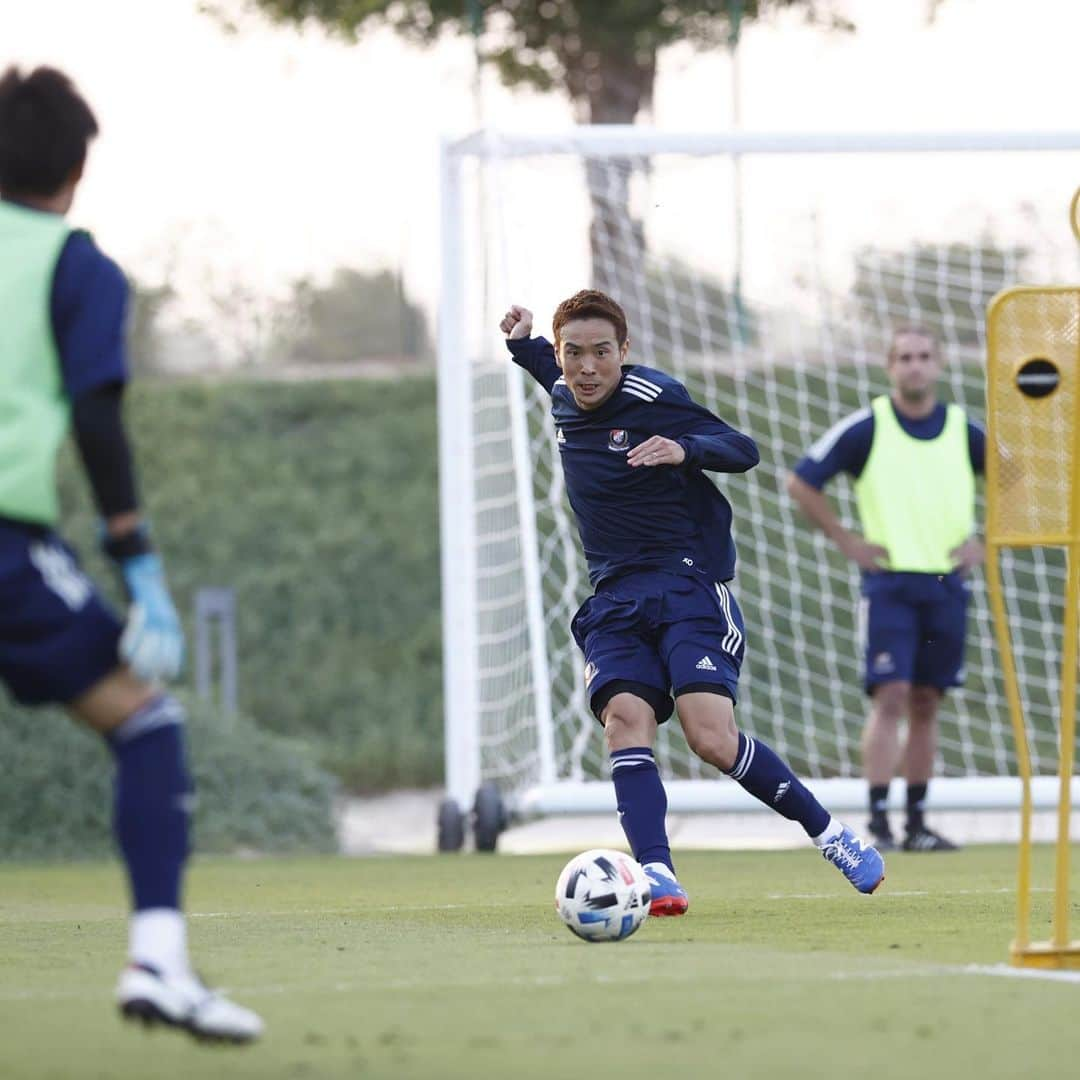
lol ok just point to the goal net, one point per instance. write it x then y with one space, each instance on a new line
765 272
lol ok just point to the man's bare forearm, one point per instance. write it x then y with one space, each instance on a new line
816 506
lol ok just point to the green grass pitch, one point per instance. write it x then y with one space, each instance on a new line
459 967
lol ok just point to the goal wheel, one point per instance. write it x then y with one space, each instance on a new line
451 823
489 816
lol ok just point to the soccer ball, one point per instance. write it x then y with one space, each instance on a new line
602 895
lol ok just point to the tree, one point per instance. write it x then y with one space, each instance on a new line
601 53
944 286
144 333
354 316
697 313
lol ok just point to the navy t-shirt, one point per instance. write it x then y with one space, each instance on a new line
88 306
845 447
665 517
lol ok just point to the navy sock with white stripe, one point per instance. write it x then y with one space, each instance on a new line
152 796
761 772
642 804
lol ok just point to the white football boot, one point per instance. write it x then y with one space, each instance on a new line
181 1001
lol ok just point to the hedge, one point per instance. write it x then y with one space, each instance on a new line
316 503
256 791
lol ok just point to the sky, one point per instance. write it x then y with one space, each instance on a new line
267 154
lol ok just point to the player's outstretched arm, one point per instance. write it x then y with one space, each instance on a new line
815 505
152 644
535 355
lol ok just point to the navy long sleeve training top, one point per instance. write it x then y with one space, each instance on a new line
663 517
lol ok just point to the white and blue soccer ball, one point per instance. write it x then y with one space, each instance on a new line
602 895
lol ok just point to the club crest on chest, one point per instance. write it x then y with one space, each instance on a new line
618 440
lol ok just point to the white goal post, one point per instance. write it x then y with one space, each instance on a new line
765 270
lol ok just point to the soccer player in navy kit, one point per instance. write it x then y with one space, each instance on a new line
62 364
662 622
914 461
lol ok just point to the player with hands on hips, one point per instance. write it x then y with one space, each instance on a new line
913 461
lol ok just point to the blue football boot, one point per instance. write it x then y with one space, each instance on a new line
857 860
668 896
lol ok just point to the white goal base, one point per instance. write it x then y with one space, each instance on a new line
841 795
763 832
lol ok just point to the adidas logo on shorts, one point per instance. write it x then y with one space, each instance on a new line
705 664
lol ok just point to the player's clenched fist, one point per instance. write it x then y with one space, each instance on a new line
517 322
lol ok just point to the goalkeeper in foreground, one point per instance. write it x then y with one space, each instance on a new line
62 308
662 623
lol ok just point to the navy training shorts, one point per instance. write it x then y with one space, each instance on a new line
58 637
664 634
914 628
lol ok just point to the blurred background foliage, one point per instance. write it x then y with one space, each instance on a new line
256 791
350 319
316 503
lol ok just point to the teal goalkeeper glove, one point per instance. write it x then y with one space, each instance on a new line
152 644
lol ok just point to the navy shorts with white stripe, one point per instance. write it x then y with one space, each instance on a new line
58 636
670 633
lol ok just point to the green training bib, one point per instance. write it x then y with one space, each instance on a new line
34 410
916 497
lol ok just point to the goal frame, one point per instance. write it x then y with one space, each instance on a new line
457 503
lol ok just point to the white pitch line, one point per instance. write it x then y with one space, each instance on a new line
385 985
557 981
358 910
960 970
835 895
933 971
887 892
1008 972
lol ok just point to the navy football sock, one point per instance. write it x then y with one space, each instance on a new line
761 772
152 793
642 804
879 805
916 803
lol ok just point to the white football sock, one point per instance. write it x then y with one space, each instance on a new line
157 937
659 867
831 832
